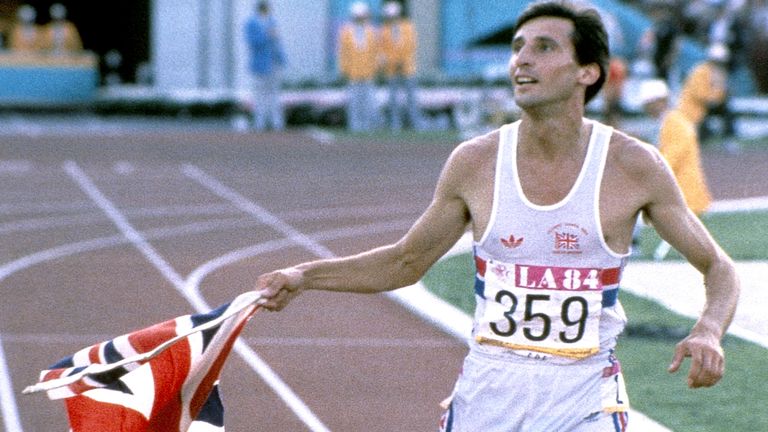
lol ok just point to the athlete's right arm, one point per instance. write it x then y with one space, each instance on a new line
387 267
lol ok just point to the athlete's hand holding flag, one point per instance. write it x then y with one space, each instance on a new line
161 378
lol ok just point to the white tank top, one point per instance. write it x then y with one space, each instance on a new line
547 283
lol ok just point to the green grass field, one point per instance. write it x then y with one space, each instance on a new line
743 235
738 403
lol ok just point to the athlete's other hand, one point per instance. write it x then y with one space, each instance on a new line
278 288
707 359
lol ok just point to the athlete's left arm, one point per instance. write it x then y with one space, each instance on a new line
681 228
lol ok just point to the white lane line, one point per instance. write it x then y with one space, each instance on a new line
195 278
193 297
739 205
122 223
256 210
15 166
10 410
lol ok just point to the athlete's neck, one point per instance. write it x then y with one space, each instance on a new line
553 137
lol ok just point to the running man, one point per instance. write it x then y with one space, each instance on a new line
551 201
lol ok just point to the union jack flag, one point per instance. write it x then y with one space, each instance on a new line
566 241
161 378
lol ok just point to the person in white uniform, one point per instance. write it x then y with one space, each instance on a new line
551 201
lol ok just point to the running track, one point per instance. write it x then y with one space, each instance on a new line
105 233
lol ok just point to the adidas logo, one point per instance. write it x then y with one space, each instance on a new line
512 242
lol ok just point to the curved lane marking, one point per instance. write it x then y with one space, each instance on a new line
193 297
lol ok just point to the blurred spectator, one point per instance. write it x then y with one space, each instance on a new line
113 61
358 51
654 99
613 91
25 36
398 47
678 142
705 86
758 44
704 96
664 40
267 59
726 30
60 36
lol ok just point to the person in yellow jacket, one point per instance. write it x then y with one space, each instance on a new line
25 35
398 60
358 51
60 36
706 85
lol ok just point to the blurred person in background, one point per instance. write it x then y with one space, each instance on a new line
25 36
654 97
358 64
757 45
678 142
60 36
613 91
398 47
266 63
705 92
727 29
665 39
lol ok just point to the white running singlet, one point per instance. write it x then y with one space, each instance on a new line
547 314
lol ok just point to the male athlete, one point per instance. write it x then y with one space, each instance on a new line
551 201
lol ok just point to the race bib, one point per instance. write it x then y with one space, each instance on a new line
540 311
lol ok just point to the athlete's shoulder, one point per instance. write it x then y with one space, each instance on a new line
632 155
472 159
480 147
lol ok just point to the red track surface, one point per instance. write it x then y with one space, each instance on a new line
69 278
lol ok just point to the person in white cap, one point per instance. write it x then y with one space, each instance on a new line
398 48
654 97
358 51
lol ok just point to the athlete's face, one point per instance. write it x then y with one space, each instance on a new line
543 66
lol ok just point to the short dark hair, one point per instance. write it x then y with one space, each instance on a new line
589 37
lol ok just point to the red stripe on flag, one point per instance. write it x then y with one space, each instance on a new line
88 415
170 370
93 354
149 338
